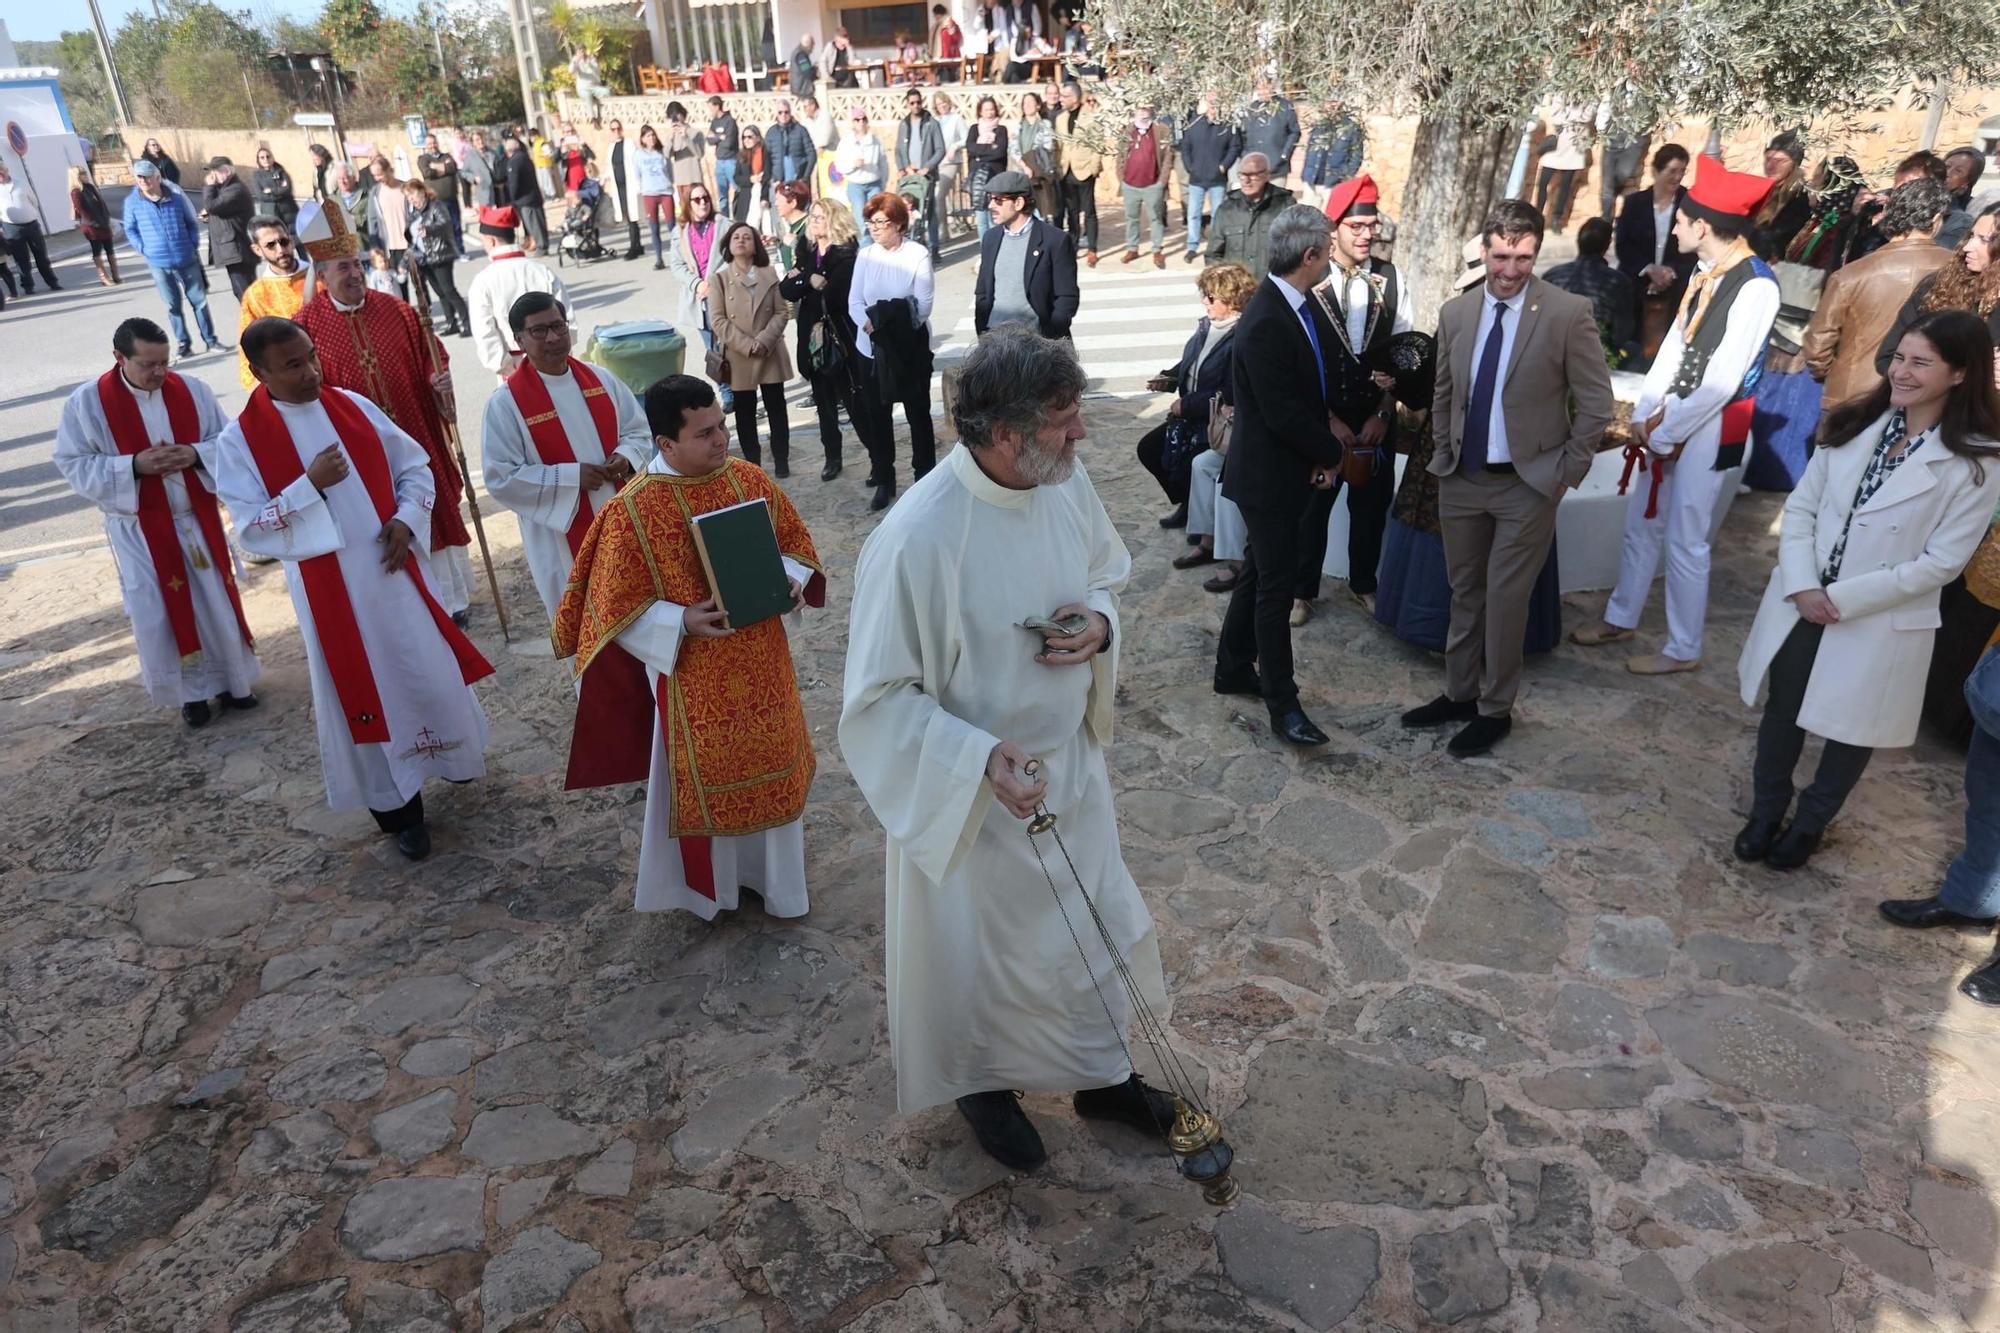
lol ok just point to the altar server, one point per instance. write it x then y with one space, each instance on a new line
995 982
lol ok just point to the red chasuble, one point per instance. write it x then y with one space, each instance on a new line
739 752
156 518
277 459
545 428
383 352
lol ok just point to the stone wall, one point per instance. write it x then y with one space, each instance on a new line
191 148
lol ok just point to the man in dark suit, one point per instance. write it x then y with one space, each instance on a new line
1511 357
1283 449
1027 268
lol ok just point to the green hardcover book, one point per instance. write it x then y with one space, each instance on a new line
739 553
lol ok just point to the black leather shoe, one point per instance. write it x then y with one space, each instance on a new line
831 470
414 842
240 702
1984 984
195 714
1297 728
1145 1109
461 618
781 468
1925 913
1195 558
1754 842
1177 519
883 498
1003 1129
1793 848
1441 710
873 478
1223 582
1480 735
1249 683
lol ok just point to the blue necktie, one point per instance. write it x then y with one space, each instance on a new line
1312 336
1479 408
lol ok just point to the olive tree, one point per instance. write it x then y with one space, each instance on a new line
1469 71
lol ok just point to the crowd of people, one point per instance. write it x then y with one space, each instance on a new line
1306 378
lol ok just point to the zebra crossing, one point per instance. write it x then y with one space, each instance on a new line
1132 322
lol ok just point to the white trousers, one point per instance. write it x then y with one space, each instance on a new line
1687 510
1210 513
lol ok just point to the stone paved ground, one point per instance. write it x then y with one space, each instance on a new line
1507 1045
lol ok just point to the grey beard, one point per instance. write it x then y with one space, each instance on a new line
1043 468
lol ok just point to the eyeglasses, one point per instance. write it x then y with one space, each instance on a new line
1363 228
540 332
278 243
880 220
698 199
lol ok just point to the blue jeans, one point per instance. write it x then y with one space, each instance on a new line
1197 196
1972 885
725 185
170 282
857 198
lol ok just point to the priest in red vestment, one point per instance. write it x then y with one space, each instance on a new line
376 346
728 756
321 479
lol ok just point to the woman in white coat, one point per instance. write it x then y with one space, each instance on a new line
1891 507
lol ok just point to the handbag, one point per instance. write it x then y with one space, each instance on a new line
823 349
716 365
1982 573
1221 425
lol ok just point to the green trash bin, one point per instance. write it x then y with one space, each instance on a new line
640 352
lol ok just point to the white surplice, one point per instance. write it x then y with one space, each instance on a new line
986 986
436 727
773 863
545 494
508 276
90 461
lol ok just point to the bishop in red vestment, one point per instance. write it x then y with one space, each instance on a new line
375 345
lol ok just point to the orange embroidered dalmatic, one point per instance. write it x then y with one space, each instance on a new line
730 718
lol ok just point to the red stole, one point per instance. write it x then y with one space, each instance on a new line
156 517
277 459
545 428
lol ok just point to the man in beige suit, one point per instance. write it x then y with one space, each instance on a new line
1511 355
1862 299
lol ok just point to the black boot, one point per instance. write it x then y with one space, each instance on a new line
1754 842
414 842
885 495
1793 848
1003 1129
832 468
1145 1109
196 714
781 462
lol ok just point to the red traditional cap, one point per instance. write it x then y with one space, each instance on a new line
498 220
1719 193
1358 196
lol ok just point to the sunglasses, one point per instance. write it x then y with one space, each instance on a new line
698 199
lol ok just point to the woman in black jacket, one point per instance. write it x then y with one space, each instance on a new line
271 185
1647 251
159 157
819 279
1168 450
985 157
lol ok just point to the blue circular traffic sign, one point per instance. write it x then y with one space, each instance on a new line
17 138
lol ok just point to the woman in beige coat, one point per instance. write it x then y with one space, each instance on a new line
748 316
1891 507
